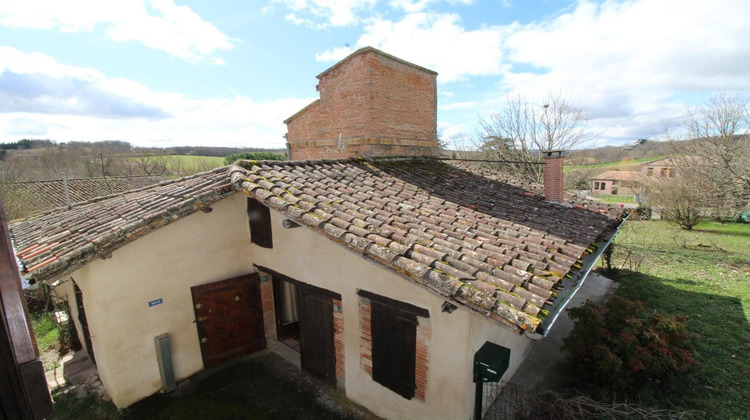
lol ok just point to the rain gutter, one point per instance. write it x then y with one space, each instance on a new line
589 262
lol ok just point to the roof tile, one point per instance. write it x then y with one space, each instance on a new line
469 235
429 221
102 224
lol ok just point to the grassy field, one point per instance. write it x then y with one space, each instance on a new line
703 275
193 164
624 165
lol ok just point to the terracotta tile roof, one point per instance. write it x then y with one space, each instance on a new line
62 240
41 196
495 247
579 201
499 249
620 176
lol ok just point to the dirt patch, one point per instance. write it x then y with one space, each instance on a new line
51 359
740 265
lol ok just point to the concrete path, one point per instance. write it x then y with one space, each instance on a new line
543 367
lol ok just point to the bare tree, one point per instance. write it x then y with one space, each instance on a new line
524 129
717 152
151 163
681 199
16 200
462 146
202 164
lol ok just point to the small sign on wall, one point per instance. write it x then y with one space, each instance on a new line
155 302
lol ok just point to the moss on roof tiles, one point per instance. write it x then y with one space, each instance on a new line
493 221
485 224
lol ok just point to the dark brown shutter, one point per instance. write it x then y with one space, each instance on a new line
317 351
394 348
260 223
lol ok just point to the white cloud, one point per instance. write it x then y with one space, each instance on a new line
335 54
459 105
456 136
36 83
625 61
132 111
320 14
324 13
628 63
435 41
413 6
158 24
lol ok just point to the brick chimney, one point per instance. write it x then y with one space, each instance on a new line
553 176
371 103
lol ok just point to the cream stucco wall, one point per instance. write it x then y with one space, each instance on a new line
65 290
311 258
199 249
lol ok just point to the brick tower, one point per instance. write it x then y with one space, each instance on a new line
371 103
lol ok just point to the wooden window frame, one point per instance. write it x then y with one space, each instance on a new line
259 218
393 332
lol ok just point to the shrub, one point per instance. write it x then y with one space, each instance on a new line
620 346
642 212
253 156
46 331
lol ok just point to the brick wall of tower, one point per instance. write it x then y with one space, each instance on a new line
370 103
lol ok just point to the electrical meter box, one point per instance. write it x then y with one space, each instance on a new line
491 361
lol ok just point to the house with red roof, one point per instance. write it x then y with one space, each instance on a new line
384 275
618 183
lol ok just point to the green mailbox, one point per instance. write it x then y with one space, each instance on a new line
490 362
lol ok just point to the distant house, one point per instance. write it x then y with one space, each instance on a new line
660 168
385 274
617 183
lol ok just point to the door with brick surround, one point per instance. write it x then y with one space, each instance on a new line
229 317
317 352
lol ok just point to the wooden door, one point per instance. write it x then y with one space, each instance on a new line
317 353
84 322
229 316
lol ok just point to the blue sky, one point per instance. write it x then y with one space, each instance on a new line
167 72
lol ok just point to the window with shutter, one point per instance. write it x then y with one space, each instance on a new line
394 344
260 223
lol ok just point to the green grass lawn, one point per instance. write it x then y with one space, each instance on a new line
703 275
192 164
613 198
46 331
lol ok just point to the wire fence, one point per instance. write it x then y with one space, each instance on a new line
504 401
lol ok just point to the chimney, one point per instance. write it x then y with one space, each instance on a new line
372 104
553 176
